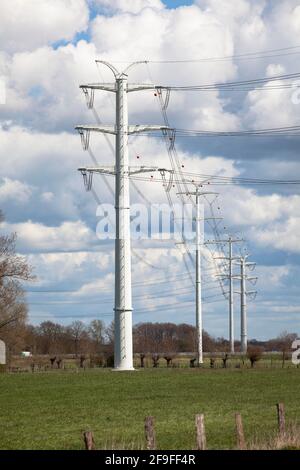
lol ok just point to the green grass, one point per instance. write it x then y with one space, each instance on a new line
50 410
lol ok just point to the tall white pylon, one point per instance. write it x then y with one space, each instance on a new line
199 235
230 278
123 354
244 293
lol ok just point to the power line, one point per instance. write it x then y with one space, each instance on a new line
293 131
85 316
246 56
237 84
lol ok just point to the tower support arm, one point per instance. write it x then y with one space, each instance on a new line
103 129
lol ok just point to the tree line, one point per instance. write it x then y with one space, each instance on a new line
95 338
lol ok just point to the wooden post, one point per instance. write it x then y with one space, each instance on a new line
240 437
200 428
281 418
150 433
89 440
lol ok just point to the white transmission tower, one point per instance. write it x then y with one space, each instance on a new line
123 354
242 262
230 258
198 193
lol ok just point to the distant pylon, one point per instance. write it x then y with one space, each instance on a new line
244 293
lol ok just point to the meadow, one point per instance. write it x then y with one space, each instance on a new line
50 410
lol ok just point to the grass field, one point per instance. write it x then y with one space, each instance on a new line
50 410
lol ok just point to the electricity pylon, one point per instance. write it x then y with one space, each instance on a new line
244 293
199 320
230 277
123 353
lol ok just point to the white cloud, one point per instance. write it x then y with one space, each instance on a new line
47 196
286 309
75 268
205 36
15 190
28 24
36 80
38 237
275 69
272 278
281 236
269 109
246 207
129 6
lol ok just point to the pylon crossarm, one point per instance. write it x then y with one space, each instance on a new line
98 86
140 87
103 129
213 242
112 87
104 170
213 218
135 171
147 128
196 193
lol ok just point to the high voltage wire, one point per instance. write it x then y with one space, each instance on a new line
218 179
237 84
111 314
238 178
138 298
293 131
150 295
246 56
174 160
179 277
160 306
229 182
281 52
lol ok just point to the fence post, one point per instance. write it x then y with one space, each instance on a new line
240 437
281 418
200 428
89 440
150 433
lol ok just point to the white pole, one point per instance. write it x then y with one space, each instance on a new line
123 297
243 308
198 284
231 324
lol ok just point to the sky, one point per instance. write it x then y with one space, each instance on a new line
48 48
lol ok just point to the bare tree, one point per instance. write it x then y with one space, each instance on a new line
254 354
77 331
50 337
96 333
12 266
142 359
224 360
284 344
13 309
169 358
155 360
